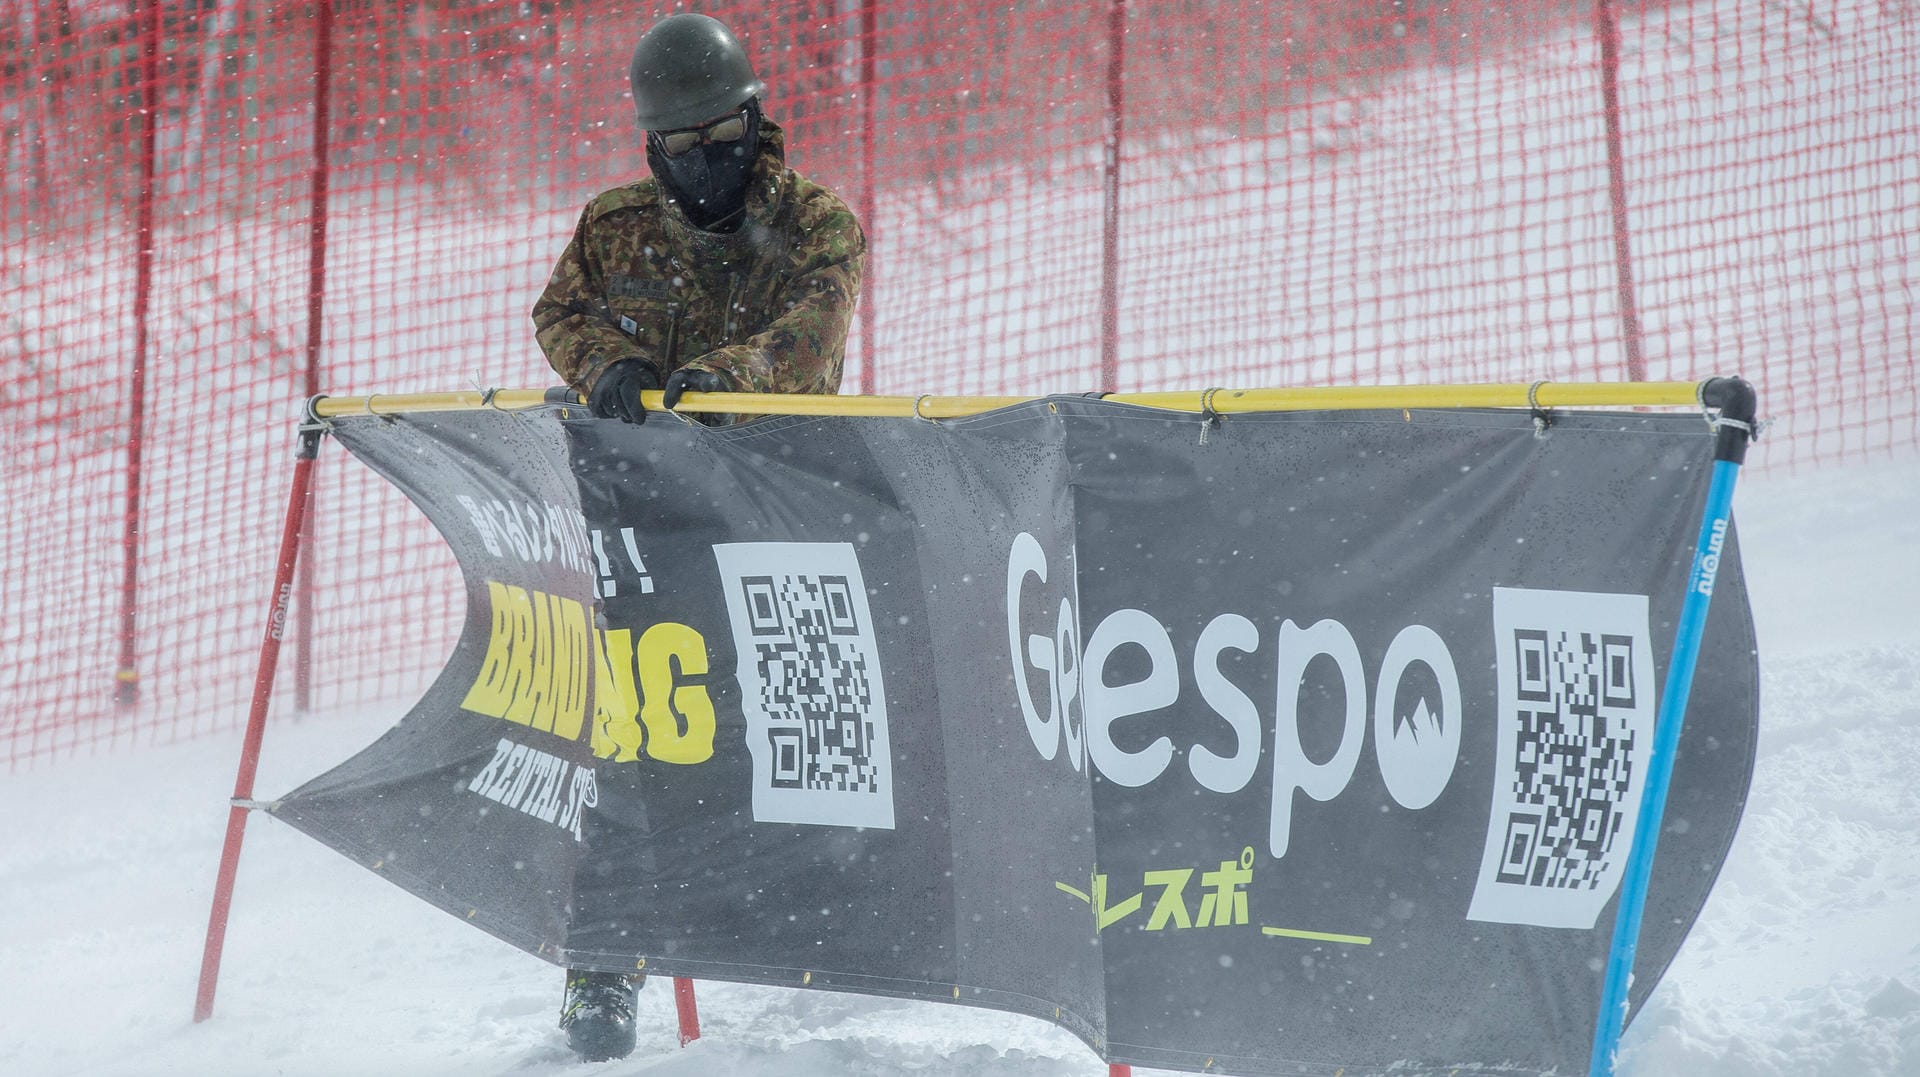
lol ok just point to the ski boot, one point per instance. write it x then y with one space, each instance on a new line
597 1014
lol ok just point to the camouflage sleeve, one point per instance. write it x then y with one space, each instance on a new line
571 319
803 349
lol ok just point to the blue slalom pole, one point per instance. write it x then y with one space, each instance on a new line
1735 425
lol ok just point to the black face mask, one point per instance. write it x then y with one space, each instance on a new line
710 181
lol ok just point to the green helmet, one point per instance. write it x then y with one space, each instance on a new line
687 70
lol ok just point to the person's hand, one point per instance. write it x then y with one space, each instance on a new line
692 380
616 394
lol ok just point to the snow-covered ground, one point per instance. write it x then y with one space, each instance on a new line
1805 963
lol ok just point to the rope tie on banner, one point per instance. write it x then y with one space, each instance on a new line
1542 418
916 409
1092 394
486 393
1208 417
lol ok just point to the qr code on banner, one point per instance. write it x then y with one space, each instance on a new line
1576 709
810 683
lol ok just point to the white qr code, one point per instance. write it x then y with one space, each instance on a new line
810 683
1576 710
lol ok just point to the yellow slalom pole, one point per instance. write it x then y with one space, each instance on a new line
335 407
1218 401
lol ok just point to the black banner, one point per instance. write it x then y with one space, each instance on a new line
1281 743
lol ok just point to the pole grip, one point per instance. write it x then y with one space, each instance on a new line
1736 425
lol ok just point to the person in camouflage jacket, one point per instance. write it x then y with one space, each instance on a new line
661 289
724 271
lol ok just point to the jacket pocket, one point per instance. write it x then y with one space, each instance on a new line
652 324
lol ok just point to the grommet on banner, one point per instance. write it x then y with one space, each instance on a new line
1208 416
1542 418
916 408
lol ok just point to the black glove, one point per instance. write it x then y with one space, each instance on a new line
617 394
692 380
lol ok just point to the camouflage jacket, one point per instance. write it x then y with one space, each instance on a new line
767 306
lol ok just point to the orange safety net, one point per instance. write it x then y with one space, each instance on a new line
214 209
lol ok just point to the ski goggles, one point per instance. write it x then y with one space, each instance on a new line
680 143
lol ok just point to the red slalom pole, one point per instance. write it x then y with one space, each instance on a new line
127 676
1110 215
689 1013
316 308
309 449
